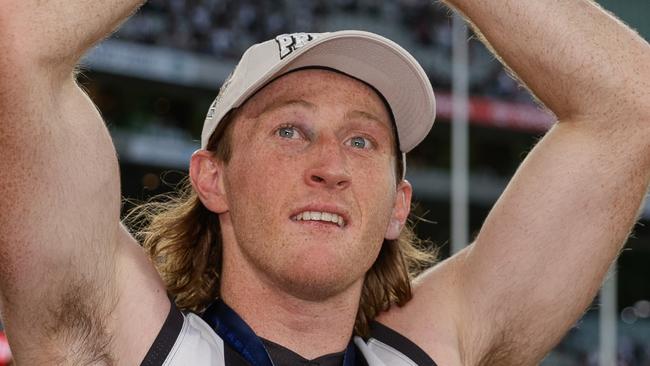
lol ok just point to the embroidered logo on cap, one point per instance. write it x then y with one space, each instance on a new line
222 91
291 42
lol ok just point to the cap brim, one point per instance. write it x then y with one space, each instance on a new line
375 60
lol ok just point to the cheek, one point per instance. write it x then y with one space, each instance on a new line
377 202
251 161
255 178
375 183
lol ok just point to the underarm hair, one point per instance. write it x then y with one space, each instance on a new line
76 328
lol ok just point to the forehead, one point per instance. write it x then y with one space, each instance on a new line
317 86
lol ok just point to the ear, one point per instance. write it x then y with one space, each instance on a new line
401 210
206 175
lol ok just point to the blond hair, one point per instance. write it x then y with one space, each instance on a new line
183 239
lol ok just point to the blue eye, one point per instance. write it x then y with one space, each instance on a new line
288 132
359 142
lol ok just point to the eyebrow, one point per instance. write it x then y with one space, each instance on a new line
368 116
286 103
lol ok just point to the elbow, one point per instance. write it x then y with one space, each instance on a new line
624 115
637 120
638 114
26 53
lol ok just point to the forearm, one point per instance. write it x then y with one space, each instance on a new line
58 32
575 57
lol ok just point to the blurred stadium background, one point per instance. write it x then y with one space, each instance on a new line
156 77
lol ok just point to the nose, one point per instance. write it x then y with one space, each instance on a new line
328 168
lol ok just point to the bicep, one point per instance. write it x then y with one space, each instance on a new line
540 256
546 245
60 218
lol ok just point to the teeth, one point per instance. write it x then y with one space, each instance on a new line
319 216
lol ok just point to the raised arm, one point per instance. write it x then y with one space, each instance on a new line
546 245
71 278
58 32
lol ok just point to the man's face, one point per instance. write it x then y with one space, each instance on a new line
311 185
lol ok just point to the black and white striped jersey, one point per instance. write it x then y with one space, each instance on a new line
186 339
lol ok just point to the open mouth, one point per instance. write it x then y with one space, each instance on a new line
328 217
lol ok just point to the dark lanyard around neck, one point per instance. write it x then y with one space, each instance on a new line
238 335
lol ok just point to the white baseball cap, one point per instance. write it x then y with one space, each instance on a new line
371 58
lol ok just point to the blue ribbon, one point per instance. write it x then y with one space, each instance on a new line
238 335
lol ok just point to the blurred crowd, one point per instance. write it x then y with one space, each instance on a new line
225 28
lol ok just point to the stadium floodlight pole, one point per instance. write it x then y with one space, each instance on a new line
608 315
459 135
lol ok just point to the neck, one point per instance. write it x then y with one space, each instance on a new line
311 328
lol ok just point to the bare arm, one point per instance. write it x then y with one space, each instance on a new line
547 243
58 32
69 272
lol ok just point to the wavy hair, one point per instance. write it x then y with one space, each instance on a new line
183 239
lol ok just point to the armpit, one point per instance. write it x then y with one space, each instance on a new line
76 331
